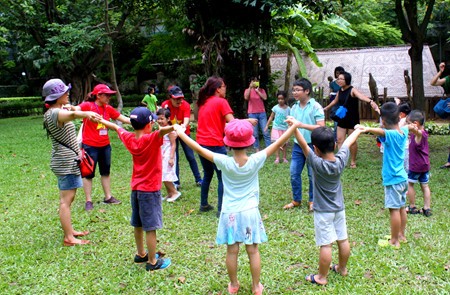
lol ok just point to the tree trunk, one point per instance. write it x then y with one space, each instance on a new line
114 79
418 98
287 75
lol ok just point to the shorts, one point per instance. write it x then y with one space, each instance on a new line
102 156
69 182
421 177
395 195
146 210
275 134
330 227
241 227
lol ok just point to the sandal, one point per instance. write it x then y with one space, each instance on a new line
352 165
310 206
426 212
412 210
292 204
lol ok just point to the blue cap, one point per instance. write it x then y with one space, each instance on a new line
140 117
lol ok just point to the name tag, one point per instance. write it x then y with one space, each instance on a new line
103 132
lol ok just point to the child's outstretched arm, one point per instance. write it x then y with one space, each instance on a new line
164 130
375 131
301 140
269 120
353 137
413 128
282 140
110 125
207 154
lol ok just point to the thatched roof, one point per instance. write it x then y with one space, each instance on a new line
386 64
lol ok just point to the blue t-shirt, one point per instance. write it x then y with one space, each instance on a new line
240 184
393 171
280 117
310 114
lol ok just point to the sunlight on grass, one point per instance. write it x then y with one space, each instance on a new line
33 260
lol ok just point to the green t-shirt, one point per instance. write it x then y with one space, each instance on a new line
446 85
150 100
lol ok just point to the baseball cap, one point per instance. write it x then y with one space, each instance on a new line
175 92
238 134
140 117
54 89
102 89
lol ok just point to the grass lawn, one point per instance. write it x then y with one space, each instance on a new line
33 260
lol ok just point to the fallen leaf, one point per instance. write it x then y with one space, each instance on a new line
189 212
368 275
265 216
417 235
296 233
101 210
447 267
182 280
358 202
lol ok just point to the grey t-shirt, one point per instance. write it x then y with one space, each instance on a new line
327 187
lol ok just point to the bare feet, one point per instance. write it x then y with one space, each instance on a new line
80 233
75 242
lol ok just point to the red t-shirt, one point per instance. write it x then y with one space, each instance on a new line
255 102
147 162
177 115
96 134
211 121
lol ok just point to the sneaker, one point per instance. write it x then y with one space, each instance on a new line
161 263
206 208
174 198
142 259
112 200
88 206
199 183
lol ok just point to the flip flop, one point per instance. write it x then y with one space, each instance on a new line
292 204
334 268
388 237
81 234
384 243
312 280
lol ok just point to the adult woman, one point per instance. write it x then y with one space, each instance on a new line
96 142
180 113
213 112
65 152
256 96
349 97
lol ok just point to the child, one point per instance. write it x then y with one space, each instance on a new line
168 156
393 138
419 163
403 111
329 212
150 100
240 220
280 112
144 145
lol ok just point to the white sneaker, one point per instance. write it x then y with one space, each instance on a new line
174 198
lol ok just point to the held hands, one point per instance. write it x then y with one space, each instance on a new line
291 121
93 117
179 128
375 106
360 128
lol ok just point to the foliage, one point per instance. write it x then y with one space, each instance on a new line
29 217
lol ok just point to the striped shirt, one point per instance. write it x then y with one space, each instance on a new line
63 159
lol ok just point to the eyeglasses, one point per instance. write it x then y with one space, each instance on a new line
297 90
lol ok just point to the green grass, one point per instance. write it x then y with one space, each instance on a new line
33 260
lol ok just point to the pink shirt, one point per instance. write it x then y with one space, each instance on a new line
255 102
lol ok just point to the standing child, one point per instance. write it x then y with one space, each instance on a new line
329 210
240 220
393 138
150 100
168 156
419 164
146 205
280 112
403 112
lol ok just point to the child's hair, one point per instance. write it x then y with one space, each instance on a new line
339 69
417 115
404 108
165 112
323 139
304 83
150 89
282 93
389 113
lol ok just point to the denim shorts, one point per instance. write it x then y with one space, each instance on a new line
421 177
395 195
330 227
69 182
146 210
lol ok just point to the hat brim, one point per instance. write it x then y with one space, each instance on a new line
107 92
238 144
177 96
55 96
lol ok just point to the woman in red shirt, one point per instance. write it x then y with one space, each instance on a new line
96 142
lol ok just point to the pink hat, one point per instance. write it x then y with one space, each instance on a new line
238 134
102 89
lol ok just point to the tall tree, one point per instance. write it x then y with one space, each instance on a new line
415 33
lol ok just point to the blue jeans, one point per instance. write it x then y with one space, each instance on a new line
189 153
298 161
208 170
262 121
